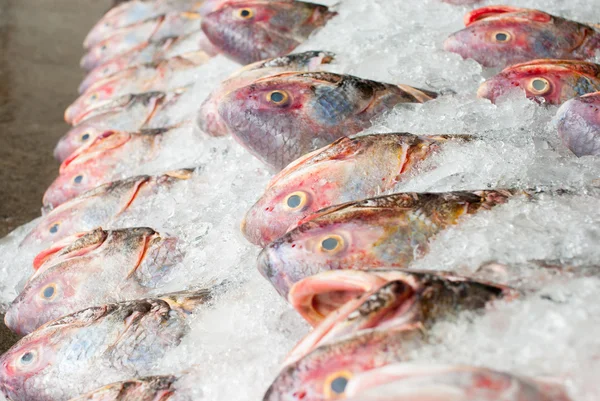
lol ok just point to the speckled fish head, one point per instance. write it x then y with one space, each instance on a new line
498 36
209 119
81 170
578 122
250 31
325 372
550 81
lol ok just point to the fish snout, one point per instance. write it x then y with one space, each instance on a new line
88 61
71 113
209 120
63 149
270 268
578 125
486 91
12 321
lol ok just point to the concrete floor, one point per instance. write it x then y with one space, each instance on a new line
40 48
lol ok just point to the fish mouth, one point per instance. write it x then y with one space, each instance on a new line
88 61
270 269
487 91
12 321
71 113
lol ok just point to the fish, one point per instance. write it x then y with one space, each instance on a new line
113 155
342 303
134 12
96 268
499 36
210 121
282 117
325 372
387 231
254 30
102 206
96 346
150 388
578 124
129 38
424 382
151 52
163 76
346 170
548 81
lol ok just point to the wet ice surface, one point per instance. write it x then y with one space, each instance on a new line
235 346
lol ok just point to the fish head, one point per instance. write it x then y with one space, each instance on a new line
79 136
99 94
550 81
100 52
578 122
102 72
56 224
249 31
321 244
498 36
85 169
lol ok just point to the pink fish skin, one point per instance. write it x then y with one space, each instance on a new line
578 122
348 169
499 36
254 30
548 81
131 262
210 121
282 117
418 382
163 76
100 206
135 36
151 388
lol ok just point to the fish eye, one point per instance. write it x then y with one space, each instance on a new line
502 37
539 86
331 244
335 384
296 200
54 228
103 47
94 97
245 13
78 179
278 97
28 358
85 137
48 292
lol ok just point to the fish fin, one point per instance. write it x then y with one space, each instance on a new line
188 301
58 247
421 95
583 67
83 317
494 11
139 182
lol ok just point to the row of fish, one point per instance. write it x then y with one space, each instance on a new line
337 241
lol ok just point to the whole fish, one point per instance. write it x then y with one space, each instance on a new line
414 382
94 269
96 346
332 302
578 123
101 207
151 388
150 110
254 30
167 75
129 38
134 12
150 52
498 36
209 119
282 117
552 81
388 231
324 373
348 169
113 155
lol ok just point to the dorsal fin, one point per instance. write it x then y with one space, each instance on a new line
496 11
583 67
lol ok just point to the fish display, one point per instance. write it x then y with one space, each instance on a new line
128 38
499 36
210 121
578 123
131 262
282 117
113 155
152 388
387 231
251 31
97 346
346 170
100 207
550 81
166 75
416 382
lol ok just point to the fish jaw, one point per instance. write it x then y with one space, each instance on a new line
578 123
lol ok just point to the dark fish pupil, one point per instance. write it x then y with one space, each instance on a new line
538 84
245 13
48 292
277 97
294 201
27 357
78 179
85 137
54 229
330 244
338 386
501 37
